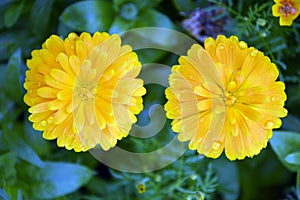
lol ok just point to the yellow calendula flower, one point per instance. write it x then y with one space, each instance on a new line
83 91
141 187
225 97
287 10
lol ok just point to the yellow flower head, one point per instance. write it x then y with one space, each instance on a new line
225 97
83 90
287 10
141 187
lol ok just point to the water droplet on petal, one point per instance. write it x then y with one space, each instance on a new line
272 98
209 42
43 123
231 85
242 45
234 133
254 53
269 124
201 120
50 119
216 145
72 47
232 120
221 47
72 36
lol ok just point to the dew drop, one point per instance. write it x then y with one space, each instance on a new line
43 123
221 47
254 53
56 82
242 45
72 47
216 145
232 120
50 119
234 38
234 133
231 85
274 105
269 124
209 42
272 98
72 36
201 120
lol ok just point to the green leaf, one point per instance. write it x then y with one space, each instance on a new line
12 14
58 179
11 81
13 192
150 55
89 16
7 169
293 158
291 122
285 143
153 18
9 44
119 25
145 4
3 195
229 182
298 184
184 5
35 140
14 143
39 16
63 30
2 71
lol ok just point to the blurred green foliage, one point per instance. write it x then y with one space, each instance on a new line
33 168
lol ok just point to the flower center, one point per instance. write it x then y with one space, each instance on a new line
287 8
230 98
85 92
